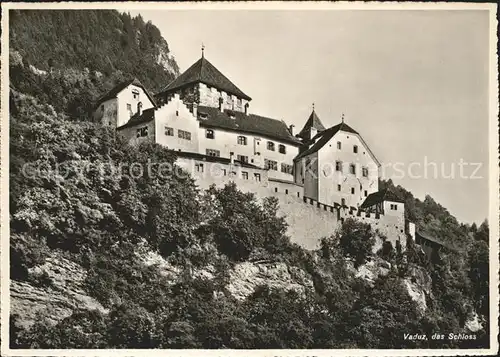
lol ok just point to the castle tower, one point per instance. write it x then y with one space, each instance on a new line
312 127
205 85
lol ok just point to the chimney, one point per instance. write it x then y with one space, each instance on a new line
195 110
246 108
291 129
220 104
139 108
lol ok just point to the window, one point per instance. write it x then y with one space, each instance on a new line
352 190
270 146
242 140
286 192
239 102
169 131
256 177
135 93
212 152
343 201
244 174
286 168
338 165
339 145
199 167
355 149
366 193
394 207
209 134
352 169
282 149
186 135
242 158
142 132
271 164
339 188
365 172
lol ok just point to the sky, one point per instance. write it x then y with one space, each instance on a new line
413 83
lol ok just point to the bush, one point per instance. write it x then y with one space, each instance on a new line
356 241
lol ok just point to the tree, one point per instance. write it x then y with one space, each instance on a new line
356 241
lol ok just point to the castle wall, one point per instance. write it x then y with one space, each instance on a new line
221 174
392 227
308 220
131 133
107 113
287 188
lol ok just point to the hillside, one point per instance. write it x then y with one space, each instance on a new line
103 260
70 58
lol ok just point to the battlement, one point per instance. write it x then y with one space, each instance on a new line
308 220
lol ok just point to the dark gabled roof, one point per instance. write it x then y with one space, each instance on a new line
251 124
325 136
146 116
312 122
121 86
205 72
378 197
422 234
222 160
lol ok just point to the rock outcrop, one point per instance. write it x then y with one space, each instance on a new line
245 277
57 297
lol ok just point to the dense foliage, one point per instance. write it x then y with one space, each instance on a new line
100 40
73 191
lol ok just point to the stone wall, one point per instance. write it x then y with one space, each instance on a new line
107 113
131 133
209 97
308 220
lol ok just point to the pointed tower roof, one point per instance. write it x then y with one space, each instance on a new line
202 71
312 122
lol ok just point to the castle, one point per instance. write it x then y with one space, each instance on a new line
320 175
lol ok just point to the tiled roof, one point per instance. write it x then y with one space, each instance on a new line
422 234
251 124
312 122
325 136
378 197
121 86
136 119
205 72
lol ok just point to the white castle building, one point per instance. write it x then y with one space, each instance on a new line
206 119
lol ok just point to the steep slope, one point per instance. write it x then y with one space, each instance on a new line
100 40
113 261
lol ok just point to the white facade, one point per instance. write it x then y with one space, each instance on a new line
343 171
117 111
176 128
128 100
252 148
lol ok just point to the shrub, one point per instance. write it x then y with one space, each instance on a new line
356 241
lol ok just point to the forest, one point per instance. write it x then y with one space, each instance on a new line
74 205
